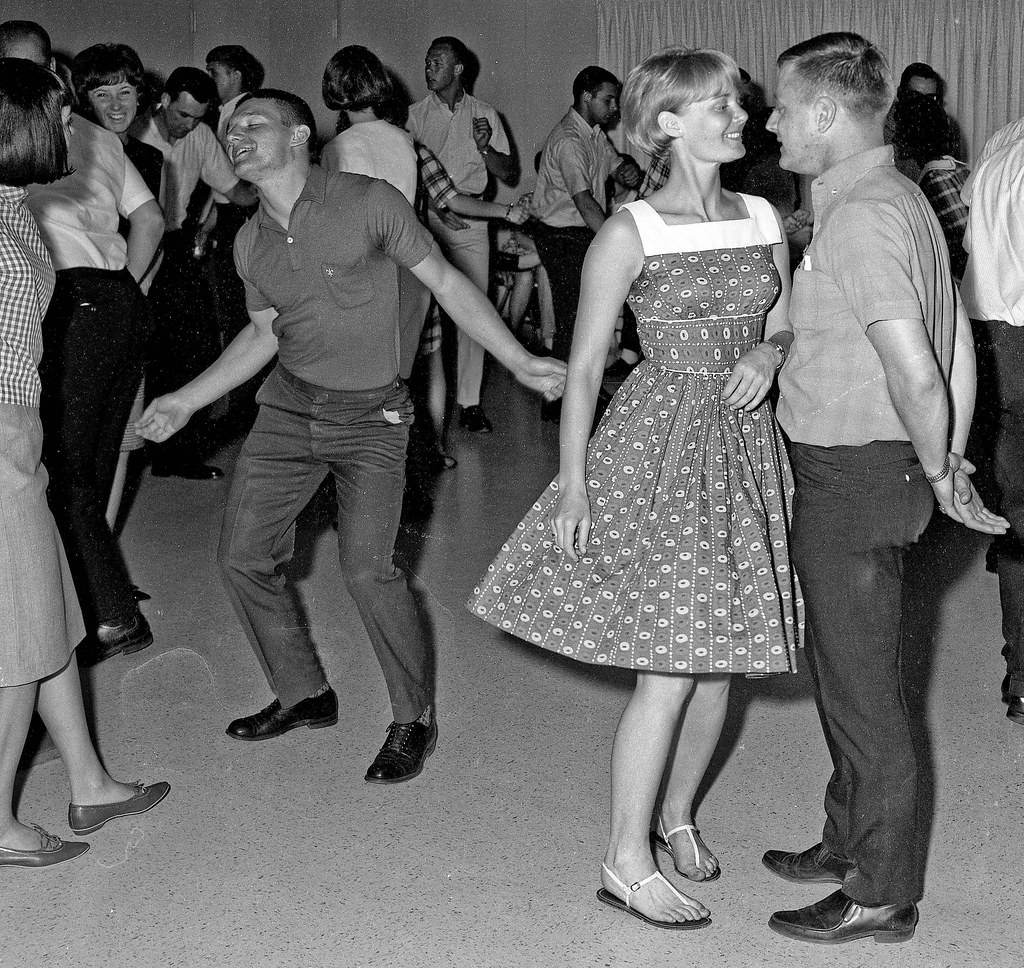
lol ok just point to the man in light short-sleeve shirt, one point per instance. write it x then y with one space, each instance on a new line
319 262
469 139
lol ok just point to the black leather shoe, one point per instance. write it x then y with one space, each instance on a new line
814 865
404 752
191 471
838 918
475 420
1015 709
123 639
316 712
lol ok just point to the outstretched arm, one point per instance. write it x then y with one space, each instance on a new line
242 358
474 315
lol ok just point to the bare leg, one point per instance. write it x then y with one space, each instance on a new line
522 289
698 738
437 396
60 705
547 307
16 705
639 756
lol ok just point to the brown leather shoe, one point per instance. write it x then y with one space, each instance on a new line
838 918
814 865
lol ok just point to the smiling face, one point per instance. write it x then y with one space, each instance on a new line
115 105
792 122
259 142
710 129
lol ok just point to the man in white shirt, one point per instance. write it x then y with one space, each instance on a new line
993 293
569 200
469 139
186 340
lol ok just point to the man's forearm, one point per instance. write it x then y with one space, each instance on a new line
242 358
499 165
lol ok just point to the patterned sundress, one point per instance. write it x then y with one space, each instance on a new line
688 567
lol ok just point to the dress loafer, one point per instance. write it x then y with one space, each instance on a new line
838 918
53 850
814 865
189 471
1015 709
85 818
316 712
404 752
122 638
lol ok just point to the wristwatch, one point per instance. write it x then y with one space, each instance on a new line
782 352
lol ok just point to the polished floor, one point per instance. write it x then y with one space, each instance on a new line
278 854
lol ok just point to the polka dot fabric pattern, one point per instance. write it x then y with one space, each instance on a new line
688 567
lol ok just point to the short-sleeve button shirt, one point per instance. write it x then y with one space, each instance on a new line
878 253
332 277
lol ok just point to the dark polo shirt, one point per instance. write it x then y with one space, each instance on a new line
332 278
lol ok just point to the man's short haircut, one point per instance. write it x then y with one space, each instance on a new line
668 81
236 58
847 68
355 80
104 64
33 147
589 80
459 50
926 71
293 110
14 33
191 80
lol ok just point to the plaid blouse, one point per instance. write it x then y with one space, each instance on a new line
435 181
942 182
26 285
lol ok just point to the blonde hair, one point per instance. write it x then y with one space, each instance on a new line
668 81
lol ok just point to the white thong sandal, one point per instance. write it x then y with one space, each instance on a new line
661 838
629 890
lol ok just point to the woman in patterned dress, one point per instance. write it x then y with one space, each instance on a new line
662 545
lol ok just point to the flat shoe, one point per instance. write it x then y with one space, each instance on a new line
84 819
606 897
661 839
53 851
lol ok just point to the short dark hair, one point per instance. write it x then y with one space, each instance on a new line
846 67
926 71
191 80
33 147
104 64
294 111
15 32
459 50
589 80
236 58
355 80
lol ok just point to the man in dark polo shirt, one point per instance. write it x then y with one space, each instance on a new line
880 345
319 266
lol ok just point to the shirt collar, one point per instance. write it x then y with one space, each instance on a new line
577 119
315 190
836 183
10 195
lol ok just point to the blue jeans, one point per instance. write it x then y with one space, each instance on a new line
855 512
302 433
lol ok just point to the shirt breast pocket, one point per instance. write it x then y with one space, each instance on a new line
350 286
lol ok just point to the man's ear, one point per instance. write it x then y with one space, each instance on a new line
825 111
457 69
300 135
165 101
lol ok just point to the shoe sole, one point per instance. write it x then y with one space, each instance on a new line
308 723
606 897
816 879
658 841
880 937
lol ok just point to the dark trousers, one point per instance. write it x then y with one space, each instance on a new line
185 339
562 252
94 334
302 433
856 511
1001 392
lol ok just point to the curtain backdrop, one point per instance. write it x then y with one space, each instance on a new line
974 44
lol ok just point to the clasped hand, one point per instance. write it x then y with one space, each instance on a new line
959 500
751 379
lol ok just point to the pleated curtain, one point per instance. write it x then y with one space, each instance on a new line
974 44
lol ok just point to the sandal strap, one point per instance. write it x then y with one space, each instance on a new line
691 832
630 889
